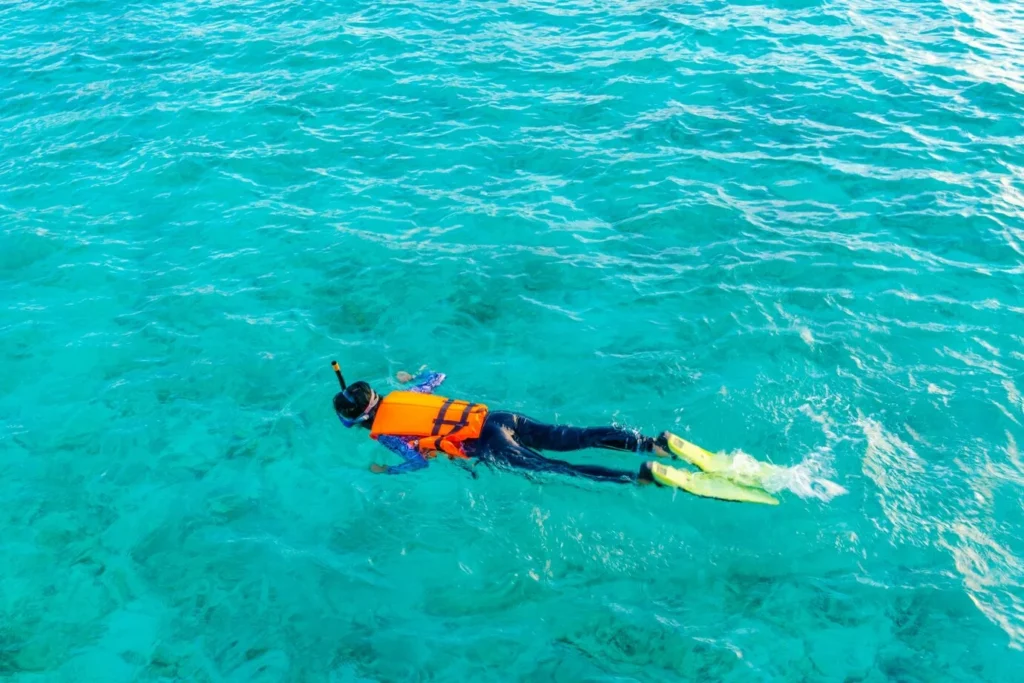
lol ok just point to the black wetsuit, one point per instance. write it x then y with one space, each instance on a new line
514 440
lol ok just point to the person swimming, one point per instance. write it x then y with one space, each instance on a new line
417 425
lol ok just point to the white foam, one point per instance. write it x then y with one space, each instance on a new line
805 479
806 336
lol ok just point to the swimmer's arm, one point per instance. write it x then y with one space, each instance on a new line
426 380
396 444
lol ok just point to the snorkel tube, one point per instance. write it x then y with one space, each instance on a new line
337 371
364 392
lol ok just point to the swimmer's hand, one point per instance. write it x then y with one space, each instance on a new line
404 377
378 469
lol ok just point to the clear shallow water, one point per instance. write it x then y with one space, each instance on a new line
791 229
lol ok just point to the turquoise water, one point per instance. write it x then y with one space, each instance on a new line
794 230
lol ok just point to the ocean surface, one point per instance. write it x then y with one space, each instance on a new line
792 230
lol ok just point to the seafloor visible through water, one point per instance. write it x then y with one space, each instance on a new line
789 229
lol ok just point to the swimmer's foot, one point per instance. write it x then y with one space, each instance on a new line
659 446
645 476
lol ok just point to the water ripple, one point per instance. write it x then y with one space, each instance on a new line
794 230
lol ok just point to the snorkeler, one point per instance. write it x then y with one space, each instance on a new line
416 425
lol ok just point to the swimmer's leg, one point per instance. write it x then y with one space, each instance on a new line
525 459
562 438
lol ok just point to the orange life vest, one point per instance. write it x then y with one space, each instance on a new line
430 423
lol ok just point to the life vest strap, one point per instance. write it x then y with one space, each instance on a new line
440 422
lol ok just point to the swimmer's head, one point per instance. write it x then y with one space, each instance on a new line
356 405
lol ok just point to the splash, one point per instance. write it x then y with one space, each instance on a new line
806 479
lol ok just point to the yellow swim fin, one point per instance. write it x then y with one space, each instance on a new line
709 485
697 456
749 472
